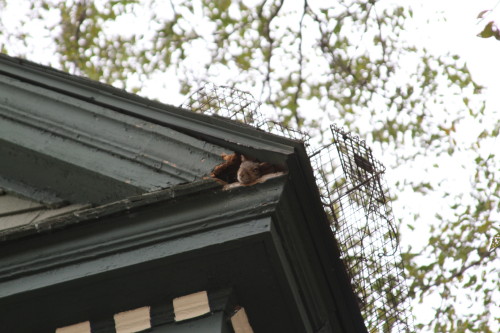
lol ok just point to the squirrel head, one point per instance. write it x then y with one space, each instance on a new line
248 172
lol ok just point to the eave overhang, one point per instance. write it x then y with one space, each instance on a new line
151 253
110 259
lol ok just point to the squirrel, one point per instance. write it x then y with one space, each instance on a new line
249 171
238 170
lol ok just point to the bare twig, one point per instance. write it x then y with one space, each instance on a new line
301 65
266 31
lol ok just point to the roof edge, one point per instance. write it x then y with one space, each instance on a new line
217 130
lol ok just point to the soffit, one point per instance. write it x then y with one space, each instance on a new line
20 213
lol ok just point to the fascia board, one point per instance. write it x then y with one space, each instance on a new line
231 134
124 259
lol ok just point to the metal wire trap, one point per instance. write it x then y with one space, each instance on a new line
356 201
226 102
240 106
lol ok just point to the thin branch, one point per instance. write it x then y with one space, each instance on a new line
301 65
81 6
382 40
490 10
329 50
482 256
266 31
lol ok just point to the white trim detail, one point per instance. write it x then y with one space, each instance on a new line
83 327
133 321
240 322
191 306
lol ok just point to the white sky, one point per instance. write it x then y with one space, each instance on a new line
451 26
457 34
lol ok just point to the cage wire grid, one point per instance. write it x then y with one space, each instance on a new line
355 198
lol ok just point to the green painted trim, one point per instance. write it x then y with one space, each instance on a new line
158 241
133 202
236 136
48 199
75 136
156 233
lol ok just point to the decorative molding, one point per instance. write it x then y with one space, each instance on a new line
219 131
74 132
162 232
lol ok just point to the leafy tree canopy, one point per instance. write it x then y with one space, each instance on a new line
315 62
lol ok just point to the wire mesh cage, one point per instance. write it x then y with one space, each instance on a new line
240 106
226 102
356 201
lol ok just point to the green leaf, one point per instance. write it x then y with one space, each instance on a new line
495 242
490 30
482 13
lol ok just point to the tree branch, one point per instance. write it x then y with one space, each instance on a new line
266 32
482 257
301 65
